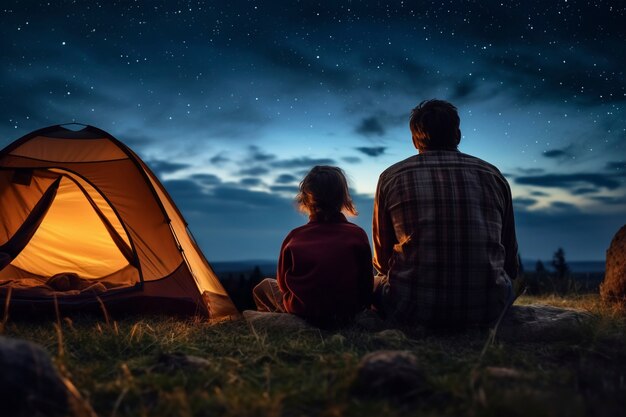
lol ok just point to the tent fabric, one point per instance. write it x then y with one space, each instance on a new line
21 199
203 273
85 248
115 234
31 224
110 219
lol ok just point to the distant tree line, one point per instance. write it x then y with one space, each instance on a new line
560 279
239 285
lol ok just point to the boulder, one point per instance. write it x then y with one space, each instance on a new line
392 374
541 323
29 383
369 321
613 288
390 339
264 321
177 360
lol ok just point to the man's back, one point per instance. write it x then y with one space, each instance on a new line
444 235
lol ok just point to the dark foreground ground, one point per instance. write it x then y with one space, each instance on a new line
125 368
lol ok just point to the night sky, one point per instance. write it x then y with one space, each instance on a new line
232 102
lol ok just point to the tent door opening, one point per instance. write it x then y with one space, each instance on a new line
77 245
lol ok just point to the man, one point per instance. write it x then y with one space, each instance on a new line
443 230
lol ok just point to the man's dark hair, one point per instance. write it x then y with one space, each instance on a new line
435 126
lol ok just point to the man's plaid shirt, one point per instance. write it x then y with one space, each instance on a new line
444 236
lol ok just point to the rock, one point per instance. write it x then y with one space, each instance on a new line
369 321
390 373
613 288
390 338
177 360
499 372
337 340
541 323
29 383
264 321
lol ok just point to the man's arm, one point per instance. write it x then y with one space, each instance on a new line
383 234
509 240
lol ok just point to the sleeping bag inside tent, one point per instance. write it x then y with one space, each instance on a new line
85 223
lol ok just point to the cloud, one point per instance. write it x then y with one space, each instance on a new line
302 162
556 153
190 196
258 155
254 171
289 189
584 235
160 167
370 126
464 89
206 179
584 190
372 151
610 200
538 193
531 171
564 154
136 140
524 202
250 182
351 159
561 205
234 223
616 166
285 179
570 181
219 159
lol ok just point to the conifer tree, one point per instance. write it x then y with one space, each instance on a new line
540 268
561 269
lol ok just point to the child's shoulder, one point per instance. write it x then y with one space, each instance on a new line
355 229
296 231
354 226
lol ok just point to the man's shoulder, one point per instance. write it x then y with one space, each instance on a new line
432 160
436 161
480 163
399 167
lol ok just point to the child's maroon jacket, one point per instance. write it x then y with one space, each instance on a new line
325 269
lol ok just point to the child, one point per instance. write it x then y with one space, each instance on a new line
325 267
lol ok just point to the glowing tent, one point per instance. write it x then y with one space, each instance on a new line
84 221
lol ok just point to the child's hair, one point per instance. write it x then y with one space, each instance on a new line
324 191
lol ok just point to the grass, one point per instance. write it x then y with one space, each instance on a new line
126 368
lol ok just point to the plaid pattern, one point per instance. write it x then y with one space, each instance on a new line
444 239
